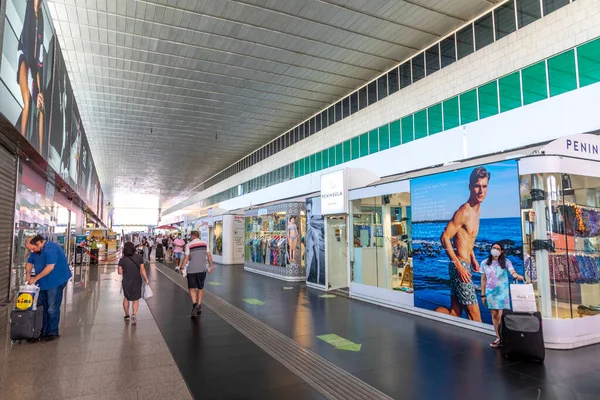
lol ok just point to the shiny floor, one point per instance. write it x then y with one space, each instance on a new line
169 355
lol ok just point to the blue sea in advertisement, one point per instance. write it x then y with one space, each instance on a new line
431 281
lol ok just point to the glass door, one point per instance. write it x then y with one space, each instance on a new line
337 252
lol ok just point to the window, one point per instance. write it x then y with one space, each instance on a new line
553 5
355 148
382 87
363 144
332 160
510 92
338 111
325 159
488 100
373 141
468 107
354 102
528 11
331 115
324 123
345 107
312 163
318 122
448 51
393 84
504 19
307 129
312 123
384 137
432 59
346 156
464 41
395 138
362 97
372 92
418 67
318 161
484 31
451 116
339 153
434 118
534 83
296 134
588 60
420 121
405 75
561 73
407 129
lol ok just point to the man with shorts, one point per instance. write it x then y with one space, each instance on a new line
196 252
178 244
458 239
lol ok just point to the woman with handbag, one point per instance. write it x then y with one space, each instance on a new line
495 290
131 266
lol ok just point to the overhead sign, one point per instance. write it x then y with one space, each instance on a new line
579 146
334 193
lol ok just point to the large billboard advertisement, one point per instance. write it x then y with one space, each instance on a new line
59 149
457 217
26 73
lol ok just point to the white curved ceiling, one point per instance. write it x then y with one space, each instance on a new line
157 80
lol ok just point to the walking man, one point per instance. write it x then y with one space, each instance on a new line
179 244
52 274
458 240
196 252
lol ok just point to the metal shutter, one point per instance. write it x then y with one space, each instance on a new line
8 183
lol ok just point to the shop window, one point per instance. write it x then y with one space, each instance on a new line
432 59
338 111
362 97
330 115
534 83
355 148
346 154
407 129
464 42
553 5
325 158
395 137
420 120
571 211
345 107
588 62
510 92
381 242
318 162
418 67
561 73
405 75
354 103
451 113
384 137
434 118
484 31
382 87
373 141
393 82
448 51
372 92
332 159
528 11
488 100
504 20
364 144
468 107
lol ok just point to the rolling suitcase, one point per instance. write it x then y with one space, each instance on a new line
26 325
160 252
522 336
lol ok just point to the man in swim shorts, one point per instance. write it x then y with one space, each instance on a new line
458 240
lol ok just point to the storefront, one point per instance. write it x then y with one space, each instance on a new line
275 242
410 240
226 238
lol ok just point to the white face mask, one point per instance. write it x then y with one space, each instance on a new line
495 252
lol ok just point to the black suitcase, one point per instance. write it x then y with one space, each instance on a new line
160 252
25 325
522 336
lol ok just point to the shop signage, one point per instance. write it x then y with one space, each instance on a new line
262 211
580 146
334 193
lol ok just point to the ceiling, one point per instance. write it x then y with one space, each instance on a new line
173 91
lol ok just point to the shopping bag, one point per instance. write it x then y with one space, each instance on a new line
146 291
523 298
27 298
184 273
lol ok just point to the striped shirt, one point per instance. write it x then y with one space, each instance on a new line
197 251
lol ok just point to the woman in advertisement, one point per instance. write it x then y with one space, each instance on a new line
293 238
29 77
494 283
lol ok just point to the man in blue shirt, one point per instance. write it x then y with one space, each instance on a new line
52 274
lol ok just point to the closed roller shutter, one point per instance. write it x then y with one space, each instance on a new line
8 178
